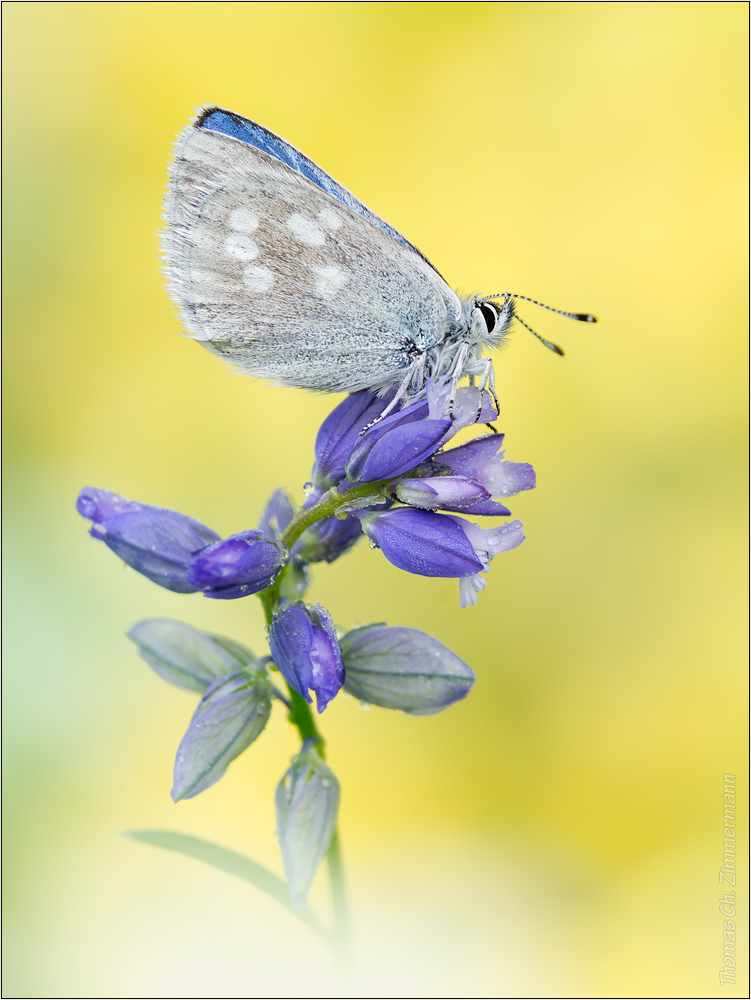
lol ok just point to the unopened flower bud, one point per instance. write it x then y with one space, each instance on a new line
305 649
157 542
440 491
307 802
403 668
236 566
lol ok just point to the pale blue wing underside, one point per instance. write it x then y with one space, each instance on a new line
250 132
288 281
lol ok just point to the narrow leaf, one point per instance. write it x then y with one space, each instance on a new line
227 861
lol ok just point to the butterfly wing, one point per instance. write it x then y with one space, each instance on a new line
250 132
281 271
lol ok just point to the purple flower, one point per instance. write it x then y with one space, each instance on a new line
236 566
422 542
486 542
398 443
482 460
340 432
405 439
441 491
430 544
155 541
306 651
179 553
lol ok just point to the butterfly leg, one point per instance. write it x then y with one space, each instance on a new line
484 368
457 372
488 382
400 395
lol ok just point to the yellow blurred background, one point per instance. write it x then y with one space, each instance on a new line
557 834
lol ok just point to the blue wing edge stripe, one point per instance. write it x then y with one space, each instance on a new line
229 123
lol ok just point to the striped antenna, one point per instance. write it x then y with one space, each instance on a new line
547 343
581 317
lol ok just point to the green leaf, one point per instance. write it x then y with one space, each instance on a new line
185 657
230 862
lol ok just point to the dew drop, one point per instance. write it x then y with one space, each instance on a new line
364 706
307 489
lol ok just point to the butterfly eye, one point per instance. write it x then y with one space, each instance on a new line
489 314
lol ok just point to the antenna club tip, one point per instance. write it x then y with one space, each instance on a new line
586 317
557 349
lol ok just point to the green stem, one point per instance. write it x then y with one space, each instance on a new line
302 717
338 889
340 942
330 504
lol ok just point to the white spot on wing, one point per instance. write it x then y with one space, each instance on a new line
240 246
257 278
306 230
243 220
329 280
329 219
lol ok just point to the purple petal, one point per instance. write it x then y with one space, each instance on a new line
290 639
508 478
96 505
340 432
305 649
469 458
239 565
363 445
440 491
326 660
422 542
156 542
277 515
402 449
485 508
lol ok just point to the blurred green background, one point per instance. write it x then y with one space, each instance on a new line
559 833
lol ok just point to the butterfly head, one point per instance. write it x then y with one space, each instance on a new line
490 320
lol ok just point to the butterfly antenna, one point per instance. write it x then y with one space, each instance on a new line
547 343
581 317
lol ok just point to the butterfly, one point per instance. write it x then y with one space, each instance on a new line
280 270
